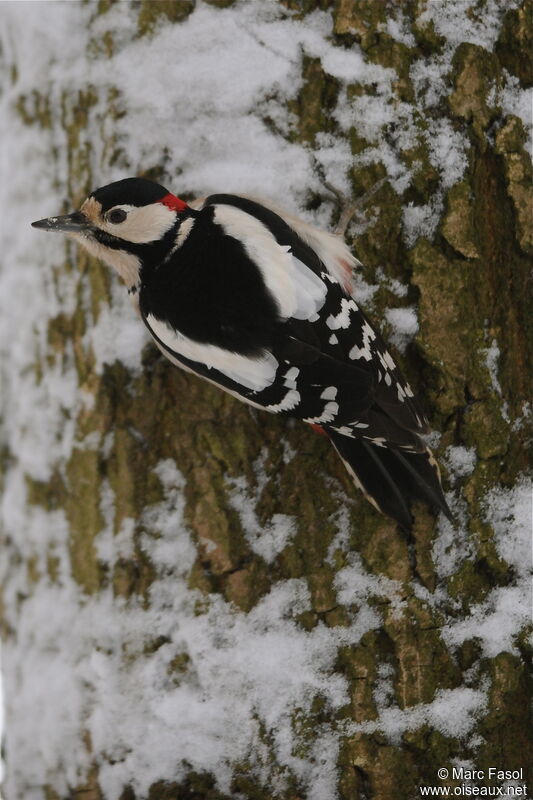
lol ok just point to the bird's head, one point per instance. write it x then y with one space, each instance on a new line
126 224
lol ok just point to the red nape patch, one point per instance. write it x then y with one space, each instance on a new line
318 429
173 202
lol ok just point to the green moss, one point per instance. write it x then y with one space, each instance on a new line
104 6
51 794
475 71
469 584
425 176
380 770
323 595
50 494
302 7
153 12
510 143
423 533
471 285
447 327
514 47
424 664
75 111
485 428
82 508
90 788
197 786
458 225
359 21
179 666
34 109
221 3
359 664
427 39
315 102
507 725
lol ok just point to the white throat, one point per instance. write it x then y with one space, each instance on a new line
127 265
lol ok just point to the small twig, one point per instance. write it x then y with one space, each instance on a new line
350 208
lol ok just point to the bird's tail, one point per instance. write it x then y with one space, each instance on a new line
391 479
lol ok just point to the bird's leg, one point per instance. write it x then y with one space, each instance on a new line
349 208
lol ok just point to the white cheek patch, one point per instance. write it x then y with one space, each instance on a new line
143 224
252 373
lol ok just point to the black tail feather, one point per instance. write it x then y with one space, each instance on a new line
426 484
391 479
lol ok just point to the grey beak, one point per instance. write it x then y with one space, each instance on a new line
69 223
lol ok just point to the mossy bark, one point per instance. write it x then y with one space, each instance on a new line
471 283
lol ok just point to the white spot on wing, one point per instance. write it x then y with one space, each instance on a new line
329 413
252 373
365 351
342 319
345 430
329 393
290 401
289 379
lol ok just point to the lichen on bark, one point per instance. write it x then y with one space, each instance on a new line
469 279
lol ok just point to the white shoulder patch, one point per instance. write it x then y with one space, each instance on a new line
298 292
331 249
252 373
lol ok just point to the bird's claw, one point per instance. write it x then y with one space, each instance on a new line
348 207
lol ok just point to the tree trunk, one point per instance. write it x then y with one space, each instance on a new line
196 601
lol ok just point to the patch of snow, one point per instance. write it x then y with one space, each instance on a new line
404 323
353 584
185 676
492 356
398 26
117 335
460 460
466 21
266 540
515 100
421 221
506 611
447 151
453 712
452 545
116 680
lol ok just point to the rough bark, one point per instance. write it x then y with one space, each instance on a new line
470 280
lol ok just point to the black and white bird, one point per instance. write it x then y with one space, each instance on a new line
262 304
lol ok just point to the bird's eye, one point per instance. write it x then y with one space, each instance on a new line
116 216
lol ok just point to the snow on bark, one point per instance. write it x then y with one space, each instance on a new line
194 598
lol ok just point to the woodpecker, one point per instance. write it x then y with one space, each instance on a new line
262 304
